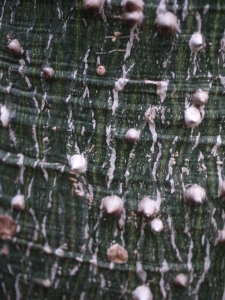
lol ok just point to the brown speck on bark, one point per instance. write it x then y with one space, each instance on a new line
14 47
166 23
195 195
112 205
220 241
5 250
132 12
222 189
48 72
7 227
101 70
93 7
147 207
181 280
117 254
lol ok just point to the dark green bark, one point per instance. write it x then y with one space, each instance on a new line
52 119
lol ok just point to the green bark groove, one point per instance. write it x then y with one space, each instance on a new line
73 111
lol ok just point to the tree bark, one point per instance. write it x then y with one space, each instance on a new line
60 248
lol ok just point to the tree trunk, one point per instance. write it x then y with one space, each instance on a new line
60 248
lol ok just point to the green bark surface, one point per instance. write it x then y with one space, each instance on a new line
75 112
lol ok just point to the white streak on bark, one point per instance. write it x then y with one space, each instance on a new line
213 220
44 172
171 163
18 295
27 57
43 226
206 8
59 12
142 233
161 8
3 287
169 220
203 240
223 297
199 21
77 149
29 29
162 109
111 265
112 167
2 13
163 270
86 231
190 255
43 101
54 270
187 103
20 163
94 264
185 10
217 145
29 245
206 268
201 156
139 270
161 87
36 229
156 161
196 141
102 281
8 88
175 140
22 64
120 84
194 63
49 40
175 6
10 269
118 87
12 136
222 80
6 157
71 122
116 101
60 250
68 98
50 199
185 170
172 186
74 271
150 117
90 245
85 60
56 284
35 140
112 158
158 201
30 188
129 44
36 104
75 74
93 119
220 178
82 296
86 93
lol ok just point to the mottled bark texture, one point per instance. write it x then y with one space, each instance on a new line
55 103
